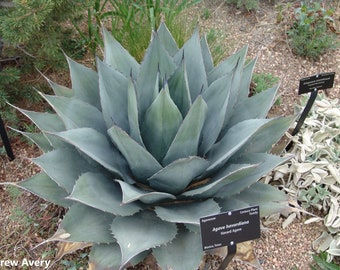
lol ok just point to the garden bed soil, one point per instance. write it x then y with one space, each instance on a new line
27 220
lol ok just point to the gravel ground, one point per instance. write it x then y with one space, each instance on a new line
267 41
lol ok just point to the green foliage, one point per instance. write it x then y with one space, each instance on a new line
24 28
263 81
310 34
14 193
11 90
214 39
78 263
9 78
322 264
206 14
26 25
138 152
131 22
249 5
314 196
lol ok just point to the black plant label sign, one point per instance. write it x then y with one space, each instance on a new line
316 82
230 228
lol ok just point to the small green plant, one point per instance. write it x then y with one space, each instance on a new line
310 34
314 196
322 264
263 81
14 193
18 215
78 263
206 14
249 5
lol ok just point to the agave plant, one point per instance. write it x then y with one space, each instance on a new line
139 152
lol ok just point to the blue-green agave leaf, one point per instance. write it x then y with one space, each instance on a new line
232 203
104 257
54 141
140 232
61 90
43 186
216 97
257 106
167 39
192 54
232 173
272 131
235 92
175 177
141 162
37 138
160 125
86 224
69 111
64 166
207 58
132 193
179 89
118 57
233 140
44 121
268 198
187 139
156 60
84 83
103 193
187 212
96 146
186 249
133 113
267 163
227 66
49 122
113 96
246 80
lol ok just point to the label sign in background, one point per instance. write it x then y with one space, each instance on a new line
318 82
230 228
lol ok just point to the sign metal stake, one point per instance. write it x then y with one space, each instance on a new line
230 255
5 140
303 116
311 85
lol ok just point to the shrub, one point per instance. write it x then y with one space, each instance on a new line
249 5
311 34
26 24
